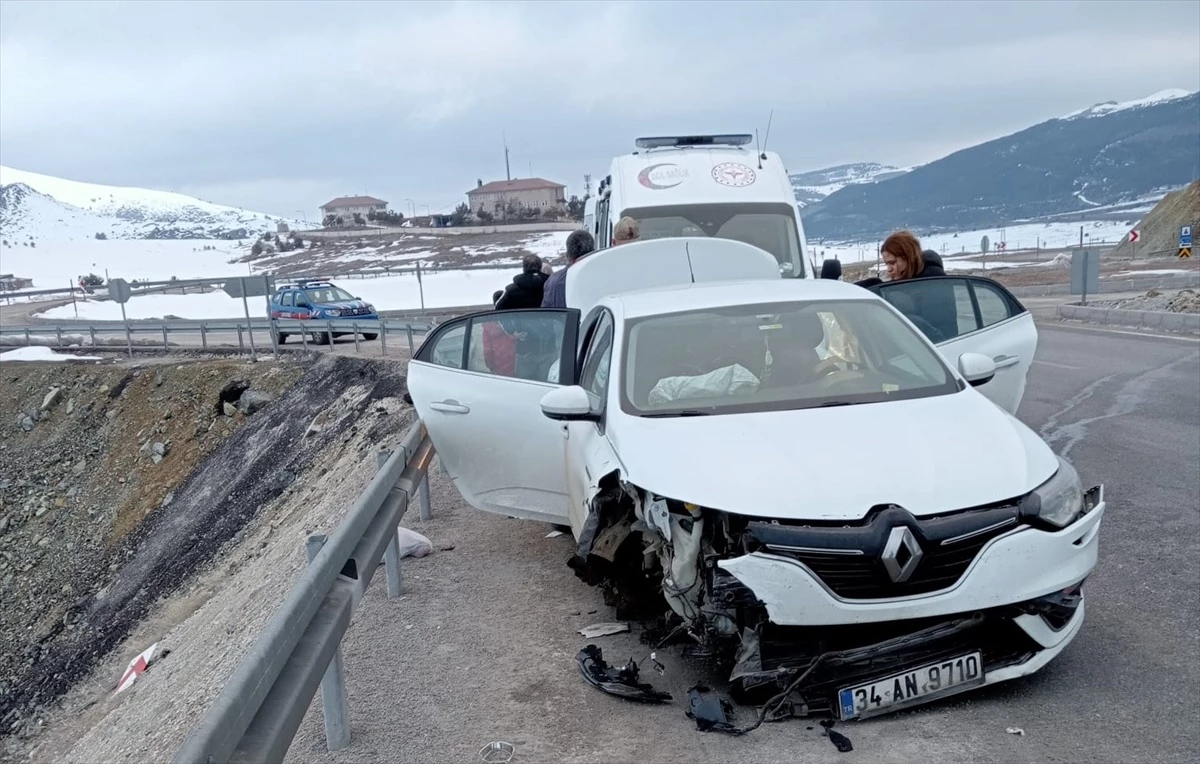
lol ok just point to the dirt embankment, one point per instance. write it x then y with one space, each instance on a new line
125 482
1160 228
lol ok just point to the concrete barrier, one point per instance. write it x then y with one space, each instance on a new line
1187 323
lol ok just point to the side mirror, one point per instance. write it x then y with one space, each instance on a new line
569 404
976 368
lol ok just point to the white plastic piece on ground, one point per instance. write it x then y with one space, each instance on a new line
39 353
497 752
554 534
727 380
413 544
137 667
603 630
1015 731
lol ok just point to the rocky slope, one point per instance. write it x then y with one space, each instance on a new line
119 483
1159 230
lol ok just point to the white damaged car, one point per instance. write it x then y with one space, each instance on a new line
823 484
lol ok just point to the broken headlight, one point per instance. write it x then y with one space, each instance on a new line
1060 499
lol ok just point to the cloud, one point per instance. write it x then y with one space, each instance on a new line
283 105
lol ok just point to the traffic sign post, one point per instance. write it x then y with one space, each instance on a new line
119 292
1085 273
245 288
1134 235
1185 242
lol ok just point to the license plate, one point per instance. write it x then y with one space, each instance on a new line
911 687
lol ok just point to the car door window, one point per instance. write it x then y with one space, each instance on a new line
993 306
941 308
286 300
594 375
520 344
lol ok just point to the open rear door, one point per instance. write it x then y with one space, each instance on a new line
664 262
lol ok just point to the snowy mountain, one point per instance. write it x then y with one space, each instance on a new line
34 206
1109 161
813 186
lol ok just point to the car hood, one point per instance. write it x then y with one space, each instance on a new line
929 455
343 305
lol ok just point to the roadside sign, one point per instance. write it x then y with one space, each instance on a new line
1085 273
1134 235
247 286
984 243
118 290
1185 253
1185 236
1001 245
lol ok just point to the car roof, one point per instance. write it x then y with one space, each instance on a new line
716 294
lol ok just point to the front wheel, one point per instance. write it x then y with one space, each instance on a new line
322 338
370 337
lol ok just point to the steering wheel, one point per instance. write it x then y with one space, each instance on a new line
839 376
826 367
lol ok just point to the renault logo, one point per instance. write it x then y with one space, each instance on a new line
901 554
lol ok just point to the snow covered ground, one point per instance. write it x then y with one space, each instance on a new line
52 264
42 354
1018 237
445 289
1108 107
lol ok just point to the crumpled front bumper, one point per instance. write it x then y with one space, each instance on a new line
1022 565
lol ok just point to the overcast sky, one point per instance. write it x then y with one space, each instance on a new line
280 106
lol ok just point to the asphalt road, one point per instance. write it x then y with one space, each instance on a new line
482 646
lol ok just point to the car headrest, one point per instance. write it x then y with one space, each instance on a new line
804 329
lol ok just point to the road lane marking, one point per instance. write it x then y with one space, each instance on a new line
1058 365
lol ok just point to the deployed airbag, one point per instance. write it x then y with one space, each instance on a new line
727 380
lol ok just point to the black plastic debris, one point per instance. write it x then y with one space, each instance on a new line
710 710
840 741
621 681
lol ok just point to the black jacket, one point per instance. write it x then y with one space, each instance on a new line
523 293
933 265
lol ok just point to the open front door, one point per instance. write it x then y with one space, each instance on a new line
477 383
966 314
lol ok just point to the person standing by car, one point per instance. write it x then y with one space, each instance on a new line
579 244
932 307
626 230
527 287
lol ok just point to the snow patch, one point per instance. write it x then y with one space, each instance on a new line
1110 107
42 354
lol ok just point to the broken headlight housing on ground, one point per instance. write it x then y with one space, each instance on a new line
1059 501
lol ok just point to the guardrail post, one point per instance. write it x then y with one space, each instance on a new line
203 337
92 334
166 345
58 333
410 340
303 337
423 495
382 337
354 326
333 684
329 323
391 555
241 344
27 338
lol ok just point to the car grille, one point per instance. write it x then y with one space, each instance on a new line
849 559
869 651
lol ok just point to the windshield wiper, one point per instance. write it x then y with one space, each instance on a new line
683 412
828 404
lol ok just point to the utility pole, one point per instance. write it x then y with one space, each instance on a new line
507 170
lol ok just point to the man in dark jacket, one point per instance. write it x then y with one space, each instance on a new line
579 244
526 290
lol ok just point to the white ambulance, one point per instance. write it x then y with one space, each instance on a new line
704 185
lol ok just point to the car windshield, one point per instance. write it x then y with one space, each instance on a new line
768 226
321 295
779 356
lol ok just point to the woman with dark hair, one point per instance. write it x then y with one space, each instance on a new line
904 259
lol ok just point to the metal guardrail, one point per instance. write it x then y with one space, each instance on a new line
260 708
68 334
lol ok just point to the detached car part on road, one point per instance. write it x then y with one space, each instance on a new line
823 485
312 300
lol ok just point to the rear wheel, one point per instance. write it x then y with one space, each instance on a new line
280 338
369 337
321 338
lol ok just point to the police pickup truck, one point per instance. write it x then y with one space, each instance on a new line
320 301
